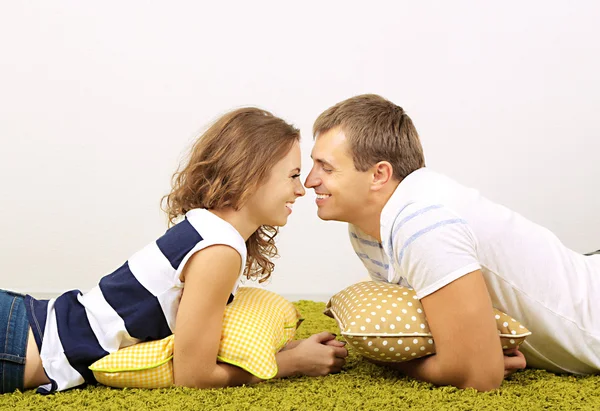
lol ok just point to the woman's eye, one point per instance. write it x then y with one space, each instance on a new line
296 176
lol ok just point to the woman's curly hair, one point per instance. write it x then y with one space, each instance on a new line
226 165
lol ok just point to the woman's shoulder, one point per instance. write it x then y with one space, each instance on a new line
215 230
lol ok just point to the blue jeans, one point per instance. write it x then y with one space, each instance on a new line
14 330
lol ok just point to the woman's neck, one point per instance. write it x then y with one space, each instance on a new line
238 219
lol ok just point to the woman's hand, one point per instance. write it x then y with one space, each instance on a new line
320 354
333 342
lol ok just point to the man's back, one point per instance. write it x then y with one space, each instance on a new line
529 273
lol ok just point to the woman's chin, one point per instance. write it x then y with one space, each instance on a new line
279 222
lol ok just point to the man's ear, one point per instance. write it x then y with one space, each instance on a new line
382 172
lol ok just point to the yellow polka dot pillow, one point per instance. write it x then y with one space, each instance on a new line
256 325
385 322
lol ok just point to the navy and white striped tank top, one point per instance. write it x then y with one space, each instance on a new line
137 302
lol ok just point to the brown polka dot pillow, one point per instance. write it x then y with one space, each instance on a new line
385 322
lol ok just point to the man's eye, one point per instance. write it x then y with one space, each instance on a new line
327 170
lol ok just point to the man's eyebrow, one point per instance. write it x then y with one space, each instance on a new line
321 161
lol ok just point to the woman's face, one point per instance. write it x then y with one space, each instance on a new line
272 202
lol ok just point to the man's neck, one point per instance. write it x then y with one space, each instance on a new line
370 221
371 228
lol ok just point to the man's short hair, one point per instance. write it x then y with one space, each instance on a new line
377 130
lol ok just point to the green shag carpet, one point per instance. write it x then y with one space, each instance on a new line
360 386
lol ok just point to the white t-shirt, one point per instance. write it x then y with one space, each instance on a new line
435 230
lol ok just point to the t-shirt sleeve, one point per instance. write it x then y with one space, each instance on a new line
432 246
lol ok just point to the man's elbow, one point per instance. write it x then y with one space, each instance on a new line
484 380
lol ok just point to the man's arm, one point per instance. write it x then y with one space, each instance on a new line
468 350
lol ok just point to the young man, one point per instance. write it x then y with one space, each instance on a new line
462 253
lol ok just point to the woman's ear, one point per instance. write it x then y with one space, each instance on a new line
382 172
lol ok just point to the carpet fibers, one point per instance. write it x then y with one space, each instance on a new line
361 386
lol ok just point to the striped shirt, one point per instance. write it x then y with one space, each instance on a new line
435 230
137 302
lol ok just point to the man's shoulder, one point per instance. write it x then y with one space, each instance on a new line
421 217
423 208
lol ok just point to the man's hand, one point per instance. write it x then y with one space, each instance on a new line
335 343
514 360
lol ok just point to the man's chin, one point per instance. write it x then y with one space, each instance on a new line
326 216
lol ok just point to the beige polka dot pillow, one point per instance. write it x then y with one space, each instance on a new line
385 322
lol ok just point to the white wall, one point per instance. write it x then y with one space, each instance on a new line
98 100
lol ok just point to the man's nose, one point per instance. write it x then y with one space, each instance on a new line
311 181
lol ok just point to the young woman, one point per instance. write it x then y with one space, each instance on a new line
240 183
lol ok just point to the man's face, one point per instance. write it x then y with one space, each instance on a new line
342 191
